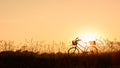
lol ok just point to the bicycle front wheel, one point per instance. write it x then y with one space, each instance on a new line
92 50
73 50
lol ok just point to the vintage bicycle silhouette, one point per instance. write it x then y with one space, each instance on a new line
80 49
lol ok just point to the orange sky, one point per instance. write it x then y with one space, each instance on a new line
58 19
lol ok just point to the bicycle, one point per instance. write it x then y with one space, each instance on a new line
86 50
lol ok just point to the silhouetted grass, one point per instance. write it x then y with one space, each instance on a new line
25 59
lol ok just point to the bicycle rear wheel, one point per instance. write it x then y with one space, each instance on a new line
73 50
92 50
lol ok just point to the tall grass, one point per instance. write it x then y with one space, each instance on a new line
37 54
34 46
53 47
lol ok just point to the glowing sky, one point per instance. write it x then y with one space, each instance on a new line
58 19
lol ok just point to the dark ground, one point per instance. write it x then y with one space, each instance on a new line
27 59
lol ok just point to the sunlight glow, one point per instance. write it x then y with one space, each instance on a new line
88 37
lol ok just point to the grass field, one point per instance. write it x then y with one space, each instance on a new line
25 59
38 55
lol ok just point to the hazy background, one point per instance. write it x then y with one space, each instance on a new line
58 20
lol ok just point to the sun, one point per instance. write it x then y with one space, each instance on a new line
88 37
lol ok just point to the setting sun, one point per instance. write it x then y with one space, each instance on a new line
88 37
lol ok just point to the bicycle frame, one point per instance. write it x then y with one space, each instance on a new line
84 48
